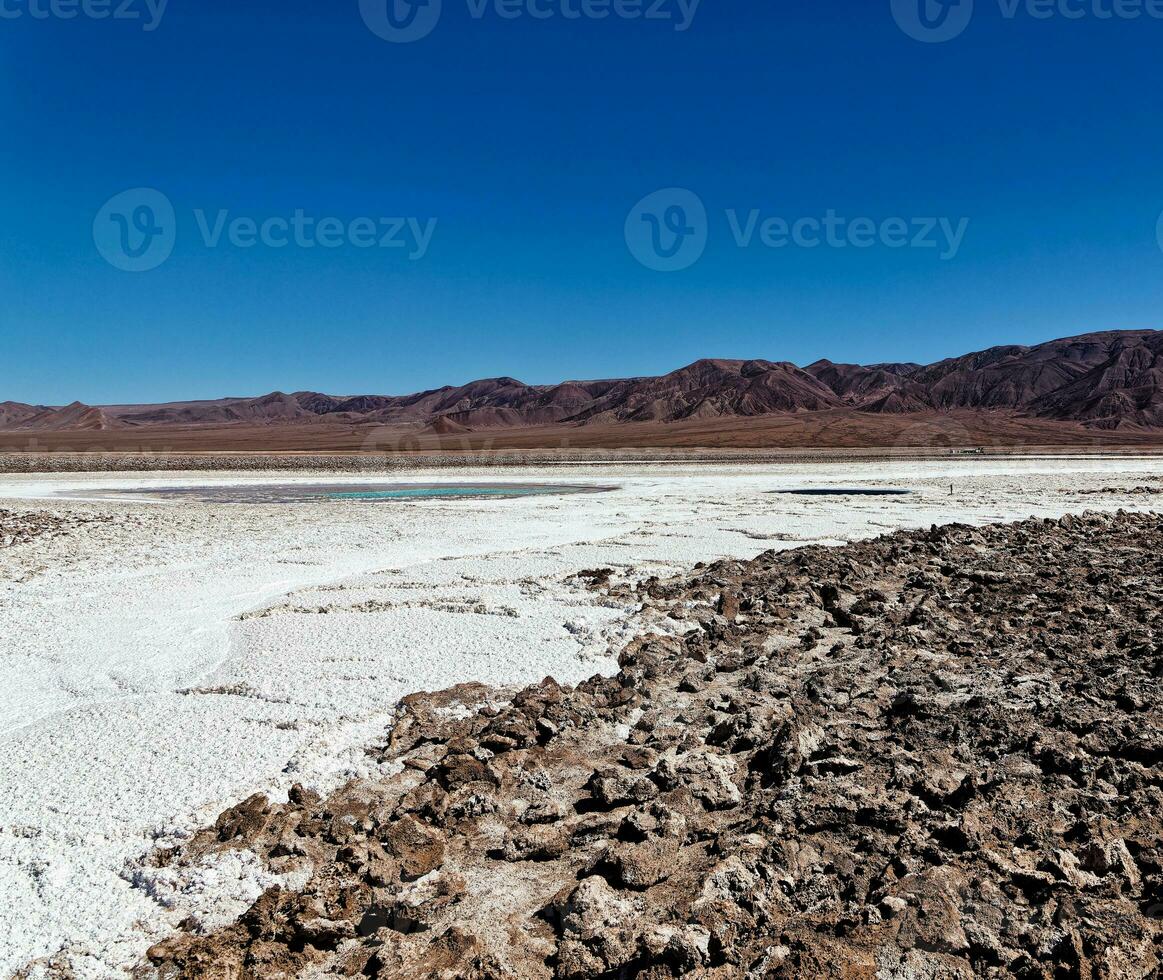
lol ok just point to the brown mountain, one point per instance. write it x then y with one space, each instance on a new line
77 416
1124 387
712 389
1104 380
13 413
1100 381
875 387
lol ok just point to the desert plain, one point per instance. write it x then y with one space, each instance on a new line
171 658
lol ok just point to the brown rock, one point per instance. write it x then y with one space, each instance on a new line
417 847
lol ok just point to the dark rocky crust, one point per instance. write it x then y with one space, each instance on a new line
24 527
932 755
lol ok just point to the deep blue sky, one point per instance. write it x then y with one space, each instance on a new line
530 141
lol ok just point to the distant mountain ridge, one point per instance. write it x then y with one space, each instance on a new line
1106 380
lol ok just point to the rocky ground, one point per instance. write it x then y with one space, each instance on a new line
932 755
24 527
382 462
458 457
1135 491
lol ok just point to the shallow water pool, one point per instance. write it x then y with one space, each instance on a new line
291 493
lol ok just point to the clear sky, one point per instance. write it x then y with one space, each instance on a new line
529 132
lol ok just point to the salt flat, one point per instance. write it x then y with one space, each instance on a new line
180 656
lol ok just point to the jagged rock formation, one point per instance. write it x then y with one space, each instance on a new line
933 755
1103 380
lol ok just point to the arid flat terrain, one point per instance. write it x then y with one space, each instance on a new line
831 429
168 658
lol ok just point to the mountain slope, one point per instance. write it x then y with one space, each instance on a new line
875 387
1124 388
1104 381
712 389
74 417
13 413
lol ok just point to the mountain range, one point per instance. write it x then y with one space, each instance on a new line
1101 381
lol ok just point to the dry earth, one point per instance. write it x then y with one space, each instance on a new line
931 755
21 527
453 457
832 429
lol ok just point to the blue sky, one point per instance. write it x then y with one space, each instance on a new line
530 140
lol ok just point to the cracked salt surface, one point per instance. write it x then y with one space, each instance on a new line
169 662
